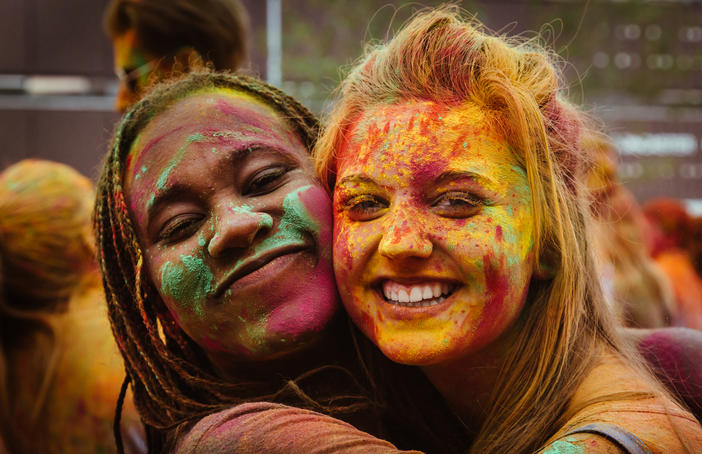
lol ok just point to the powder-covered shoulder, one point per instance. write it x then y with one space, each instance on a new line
273 428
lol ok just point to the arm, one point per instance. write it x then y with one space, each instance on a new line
273 428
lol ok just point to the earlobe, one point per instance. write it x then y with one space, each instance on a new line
544 267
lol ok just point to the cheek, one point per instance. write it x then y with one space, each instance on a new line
318 204
184 284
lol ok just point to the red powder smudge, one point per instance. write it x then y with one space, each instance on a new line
366 324
212 345
498 233
497 285
411 123
386 129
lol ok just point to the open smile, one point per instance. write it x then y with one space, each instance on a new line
256 263
423 293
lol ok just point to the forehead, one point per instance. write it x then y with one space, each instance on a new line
421 134
220 115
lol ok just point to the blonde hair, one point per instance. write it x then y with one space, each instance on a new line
641 294
442 57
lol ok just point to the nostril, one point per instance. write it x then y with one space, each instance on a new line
237 231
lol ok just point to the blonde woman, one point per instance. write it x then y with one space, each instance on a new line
460 244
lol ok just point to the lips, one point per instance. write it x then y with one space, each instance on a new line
254 264
419 294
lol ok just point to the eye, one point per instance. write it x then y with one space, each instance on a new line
266 180
179 227
457 204
365 207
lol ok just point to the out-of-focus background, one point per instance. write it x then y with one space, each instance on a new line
637 65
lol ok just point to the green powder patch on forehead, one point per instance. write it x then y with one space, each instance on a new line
187 282
163 179
566 446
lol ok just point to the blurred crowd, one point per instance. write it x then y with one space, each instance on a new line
61 373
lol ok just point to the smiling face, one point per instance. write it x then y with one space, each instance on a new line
235 229
433 231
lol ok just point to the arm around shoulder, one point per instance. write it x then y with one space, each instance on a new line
278 429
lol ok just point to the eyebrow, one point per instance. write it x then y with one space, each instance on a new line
451 175
358 179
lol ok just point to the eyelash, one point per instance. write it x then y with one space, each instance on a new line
366 207
261 182
470 204
178 228
359 207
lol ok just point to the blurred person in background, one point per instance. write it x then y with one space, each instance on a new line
60 371
637 290
670 235
153 39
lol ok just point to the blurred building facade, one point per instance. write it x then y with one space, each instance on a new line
637 65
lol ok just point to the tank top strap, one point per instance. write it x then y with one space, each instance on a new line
622 438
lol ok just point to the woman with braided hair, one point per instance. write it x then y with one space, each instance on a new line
214 242
460 244
60 370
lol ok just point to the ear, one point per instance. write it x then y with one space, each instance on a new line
545 266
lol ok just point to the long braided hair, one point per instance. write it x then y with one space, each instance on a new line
171 379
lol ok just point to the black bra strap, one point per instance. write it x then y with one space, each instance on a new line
622 438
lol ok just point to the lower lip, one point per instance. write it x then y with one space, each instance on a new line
398 312
267 272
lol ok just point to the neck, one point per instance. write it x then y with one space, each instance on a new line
467 383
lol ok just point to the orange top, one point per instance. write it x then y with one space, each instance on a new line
687 287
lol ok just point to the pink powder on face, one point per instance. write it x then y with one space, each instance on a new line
496 286
318 205
241 113
143 152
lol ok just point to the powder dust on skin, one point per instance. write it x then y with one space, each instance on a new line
189 281
427 193
566 446
210 146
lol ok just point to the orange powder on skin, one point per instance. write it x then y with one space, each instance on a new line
431 194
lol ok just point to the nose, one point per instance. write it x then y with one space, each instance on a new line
237 231
405 236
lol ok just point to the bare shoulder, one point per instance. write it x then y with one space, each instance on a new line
581 444
617 396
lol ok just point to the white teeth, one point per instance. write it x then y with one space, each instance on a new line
402 296
436 290
422 295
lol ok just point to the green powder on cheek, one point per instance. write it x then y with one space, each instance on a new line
294 225
187 282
